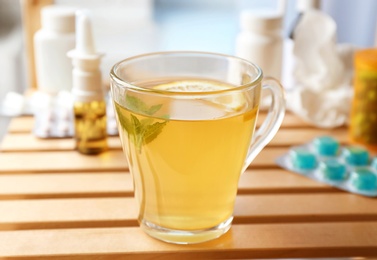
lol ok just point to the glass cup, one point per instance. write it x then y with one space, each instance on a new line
187 125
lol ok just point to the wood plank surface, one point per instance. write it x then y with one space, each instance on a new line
120 212
28 142
65 185
22 124
118 184
25 124
70 161
300 240
61 161
57 203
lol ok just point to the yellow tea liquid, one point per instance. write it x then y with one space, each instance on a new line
186 170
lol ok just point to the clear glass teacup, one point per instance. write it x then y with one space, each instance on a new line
187 126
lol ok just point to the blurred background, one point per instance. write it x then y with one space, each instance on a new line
123 28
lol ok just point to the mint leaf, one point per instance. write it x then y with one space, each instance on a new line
136 104
166 116
136 124
152 131
124 122
138 132
154 109
144 130
146 121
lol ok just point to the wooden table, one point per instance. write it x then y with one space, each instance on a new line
55 202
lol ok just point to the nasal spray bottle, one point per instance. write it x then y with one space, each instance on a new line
89 102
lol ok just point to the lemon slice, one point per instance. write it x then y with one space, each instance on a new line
233 101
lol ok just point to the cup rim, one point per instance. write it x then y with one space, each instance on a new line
125 84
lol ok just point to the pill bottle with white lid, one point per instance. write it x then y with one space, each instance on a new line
363 116
51 43
260 40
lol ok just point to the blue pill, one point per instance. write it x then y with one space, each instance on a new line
374 163
356 156
303 159
326 146
333 170
364 179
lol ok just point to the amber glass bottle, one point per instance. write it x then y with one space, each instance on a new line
363 124
90 127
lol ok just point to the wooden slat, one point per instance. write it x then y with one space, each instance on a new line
22 124
291 137
260 181
65 185
304 240
67 213
290 120
266 158
108 161
25 124
28 142
62 162
284 208
107 184
285 137
112 212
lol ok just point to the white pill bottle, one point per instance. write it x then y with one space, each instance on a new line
51 44
260 40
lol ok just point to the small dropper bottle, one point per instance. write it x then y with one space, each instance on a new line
89 102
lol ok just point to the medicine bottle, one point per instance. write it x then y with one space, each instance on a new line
89 103
51 43
260 41
363 123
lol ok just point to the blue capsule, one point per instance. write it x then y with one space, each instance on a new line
374 163
356 156
326 146
364 179
303 159
333 170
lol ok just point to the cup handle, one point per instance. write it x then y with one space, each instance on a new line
272 123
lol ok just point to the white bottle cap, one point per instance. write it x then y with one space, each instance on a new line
87 82
58 18
261 20
305 5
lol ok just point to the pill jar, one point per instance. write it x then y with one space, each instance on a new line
363 123
51 44
260 40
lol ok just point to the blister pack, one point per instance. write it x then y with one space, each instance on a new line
350 168
55 118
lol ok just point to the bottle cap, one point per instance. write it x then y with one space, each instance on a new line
58 18
305 5
366 59
87 82
261 20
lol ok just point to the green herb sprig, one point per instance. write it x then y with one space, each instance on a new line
144 130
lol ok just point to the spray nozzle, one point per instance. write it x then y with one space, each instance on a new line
84 38
85 48
87 81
